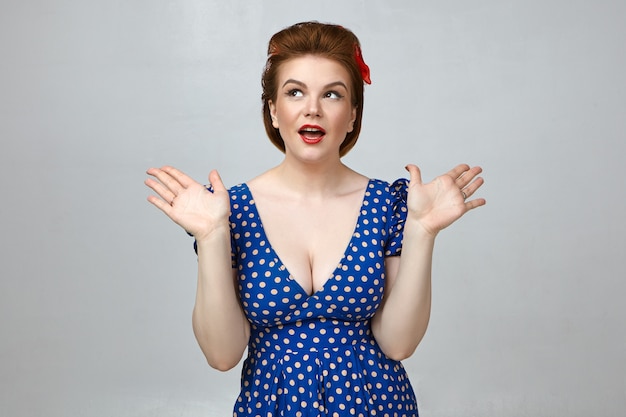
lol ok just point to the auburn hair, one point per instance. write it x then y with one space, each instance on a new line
313 38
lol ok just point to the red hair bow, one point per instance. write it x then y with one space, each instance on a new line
365 70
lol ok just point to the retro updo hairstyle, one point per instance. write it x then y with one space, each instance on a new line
319 39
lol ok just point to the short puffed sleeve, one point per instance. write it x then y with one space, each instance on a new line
396 217
232 241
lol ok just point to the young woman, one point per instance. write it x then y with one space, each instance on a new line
322 273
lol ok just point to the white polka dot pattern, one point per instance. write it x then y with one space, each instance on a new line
314 355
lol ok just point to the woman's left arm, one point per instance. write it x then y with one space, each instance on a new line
402 318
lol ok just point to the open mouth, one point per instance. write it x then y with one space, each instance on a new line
311 134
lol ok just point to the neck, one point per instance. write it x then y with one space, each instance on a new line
318 179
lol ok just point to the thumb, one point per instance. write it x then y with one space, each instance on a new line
415 173
216 181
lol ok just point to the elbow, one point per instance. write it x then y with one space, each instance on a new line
399 354
222 365
220 359
401 349
222 362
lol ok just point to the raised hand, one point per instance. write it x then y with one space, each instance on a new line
187 202
439 203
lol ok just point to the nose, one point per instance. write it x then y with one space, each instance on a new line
313 107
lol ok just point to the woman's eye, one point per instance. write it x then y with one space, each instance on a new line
294 93
334 95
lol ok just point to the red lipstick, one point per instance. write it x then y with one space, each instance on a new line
312 134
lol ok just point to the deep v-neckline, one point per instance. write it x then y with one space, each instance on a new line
281 264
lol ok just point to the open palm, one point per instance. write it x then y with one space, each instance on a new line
439 203
187 202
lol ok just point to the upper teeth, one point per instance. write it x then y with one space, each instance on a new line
310 129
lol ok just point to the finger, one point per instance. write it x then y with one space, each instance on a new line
458 171
166 179
161 205
182 178
470 205
468 176
415 173
216 181
162 191
473 186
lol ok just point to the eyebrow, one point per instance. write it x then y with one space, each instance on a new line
300 83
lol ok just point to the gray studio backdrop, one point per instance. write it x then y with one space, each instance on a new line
97 286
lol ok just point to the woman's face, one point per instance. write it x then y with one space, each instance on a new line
313 109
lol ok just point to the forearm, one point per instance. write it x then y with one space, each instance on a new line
402 319
219 323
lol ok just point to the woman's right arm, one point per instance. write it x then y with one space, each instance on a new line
219 322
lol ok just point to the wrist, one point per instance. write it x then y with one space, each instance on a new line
217 232
413 227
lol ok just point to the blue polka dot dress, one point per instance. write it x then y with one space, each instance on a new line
315 355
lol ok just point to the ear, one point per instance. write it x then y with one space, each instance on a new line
352 120
272 107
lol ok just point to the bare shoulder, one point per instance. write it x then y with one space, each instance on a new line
355 184
266 184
